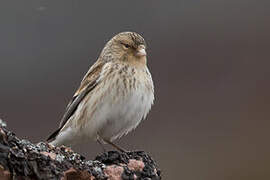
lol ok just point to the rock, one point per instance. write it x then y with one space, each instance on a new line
21 159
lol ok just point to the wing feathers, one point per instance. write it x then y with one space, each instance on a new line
88 83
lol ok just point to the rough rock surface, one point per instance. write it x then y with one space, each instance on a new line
20 159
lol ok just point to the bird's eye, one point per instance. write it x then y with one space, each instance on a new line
127 46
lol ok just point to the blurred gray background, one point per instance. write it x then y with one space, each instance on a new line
209 60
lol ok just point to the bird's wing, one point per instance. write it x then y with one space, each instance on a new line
88 83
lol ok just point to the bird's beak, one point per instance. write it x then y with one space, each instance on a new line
141 51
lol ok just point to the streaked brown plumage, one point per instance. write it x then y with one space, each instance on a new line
114 95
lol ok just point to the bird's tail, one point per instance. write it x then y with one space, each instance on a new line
53 135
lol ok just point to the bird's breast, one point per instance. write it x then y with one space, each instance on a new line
120 102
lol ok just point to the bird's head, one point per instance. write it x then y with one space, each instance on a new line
126 46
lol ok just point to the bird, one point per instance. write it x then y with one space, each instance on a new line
114 96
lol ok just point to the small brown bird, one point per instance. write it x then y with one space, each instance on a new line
114 96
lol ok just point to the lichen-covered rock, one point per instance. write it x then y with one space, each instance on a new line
21 159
